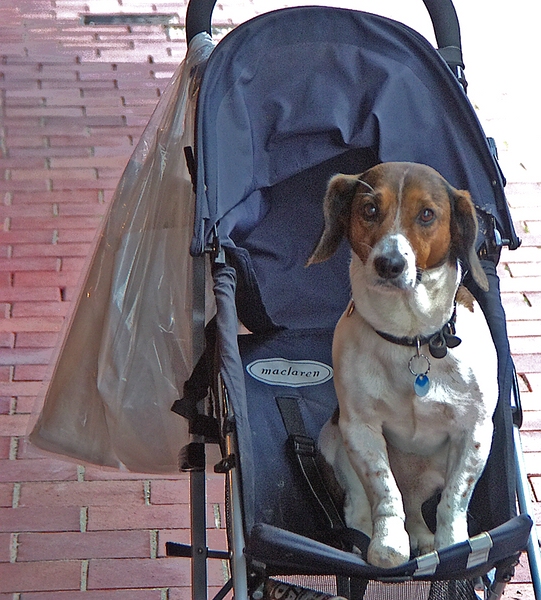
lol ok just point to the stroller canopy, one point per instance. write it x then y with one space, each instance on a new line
280 96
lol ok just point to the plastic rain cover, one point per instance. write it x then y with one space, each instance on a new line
127 350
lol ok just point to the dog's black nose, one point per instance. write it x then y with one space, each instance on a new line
390 266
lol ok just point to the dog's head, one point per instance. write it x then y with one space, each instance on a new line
401 219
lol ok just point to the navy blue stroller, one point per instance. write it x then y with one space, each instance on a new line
285 101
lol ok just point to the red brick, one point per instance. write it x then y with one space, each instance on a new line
6 495
25 237
30 372
44 278
109 183
24 356
5 447
12 425
27 185
21 389
73 264
27 450
29 264
130 594
70 545
44 111
29 141
36 340
50 575
76 235
527 363
58 250
102 518
82 493
40 309
26 404
48 152
63 518
138 573
83 210
5 373
103 474
7 339
5 405
5 551
16 165
32 324
33 294
177 491
93 162
45 469
30 223
34 210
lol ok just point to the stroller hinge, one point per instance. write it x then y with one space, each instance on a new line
215 248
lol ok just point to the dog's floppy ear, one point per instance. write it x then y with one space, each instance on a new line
464 233
336 209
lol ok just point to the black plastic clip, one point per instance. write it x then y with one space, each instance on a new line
303 445
215 249
226 464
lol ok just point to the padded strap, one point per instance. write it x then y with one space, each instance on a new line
250 307
305 452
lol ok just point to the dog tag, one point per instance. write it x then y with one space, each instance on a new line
421 385
419 366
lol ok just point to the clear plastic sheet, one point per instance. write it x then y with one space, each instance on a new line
127 350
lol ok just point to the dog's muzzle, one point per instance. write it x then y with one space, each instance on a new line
390 266
394 262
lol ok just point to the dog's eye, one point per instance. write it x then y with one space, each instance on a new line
426 216
370 211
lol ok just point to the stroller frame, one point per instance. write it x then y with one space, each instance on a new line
193 459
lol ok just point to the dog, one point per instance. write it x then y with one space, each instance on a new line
415 367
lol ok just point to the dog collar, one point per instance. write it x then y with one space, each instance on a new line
438 342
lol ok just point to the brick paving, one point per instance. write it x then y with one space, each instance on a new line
74 101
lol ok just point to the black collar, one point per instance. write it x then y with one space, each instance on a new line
437 342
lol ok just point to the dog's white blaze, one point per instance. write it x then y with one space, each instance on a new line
400 196
396 243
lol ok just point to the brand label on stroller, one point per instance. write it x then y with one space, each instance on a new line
291 373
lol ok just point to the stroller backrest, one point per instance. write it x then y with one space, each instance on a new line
292 97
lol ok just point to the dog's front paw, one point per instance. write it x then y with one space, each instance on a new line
422 542
390 545
452 531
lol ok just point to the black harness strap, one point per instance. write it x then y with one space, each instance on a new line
305 452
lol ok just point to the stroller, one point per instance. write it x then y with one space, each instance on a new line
287 100
261 122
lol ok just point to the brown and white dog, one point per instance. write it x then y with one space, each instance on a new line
415 418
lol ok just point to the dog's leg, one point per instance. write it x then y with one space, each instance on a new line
466 464
367 451
418 478
357 513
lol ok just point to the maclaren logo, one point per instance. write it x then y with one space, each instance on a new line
292 373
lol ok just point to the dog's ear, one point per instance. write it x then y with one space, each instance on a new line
464 234
336 210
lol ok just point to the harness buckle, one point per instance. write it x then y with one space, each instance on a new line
303 445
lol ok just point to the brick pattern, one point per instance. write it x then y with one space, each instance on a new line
74 100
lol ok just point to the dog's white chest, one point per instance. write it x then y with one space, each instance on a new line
375 385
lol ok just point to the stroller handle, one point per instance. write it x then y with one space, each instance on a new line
442 14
